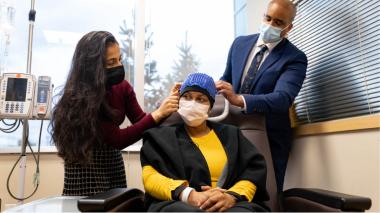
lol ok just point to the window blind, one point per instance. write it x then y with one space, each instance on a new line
341 41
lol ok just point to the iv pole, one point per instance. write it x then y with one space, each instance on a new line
25 129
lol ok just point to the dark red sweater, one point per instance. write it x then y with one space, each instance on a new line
123 98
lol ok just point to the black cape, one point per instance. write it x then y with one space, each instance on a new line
171 152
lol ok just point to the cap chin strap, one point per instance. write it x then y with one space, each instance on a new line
224 113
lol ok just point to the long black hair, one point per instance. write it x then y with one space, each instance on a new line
75 123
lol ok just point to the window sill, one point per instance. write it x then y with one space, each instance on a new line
17 150
340 125
133 148
52 149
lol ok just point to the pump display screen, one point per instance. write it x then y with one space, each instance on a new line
16 89
43 90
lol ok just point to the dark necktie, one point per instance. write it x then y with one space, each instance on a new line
252 71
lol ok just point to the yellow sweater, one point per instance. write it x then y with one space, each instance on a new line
160 186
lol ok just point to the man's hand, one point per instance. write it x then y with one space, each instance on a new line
227 91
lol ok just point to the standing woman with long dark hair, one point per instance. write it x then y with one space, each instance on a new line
85 121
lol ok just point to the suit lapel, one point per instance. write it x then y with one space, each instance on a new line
269 61
243 51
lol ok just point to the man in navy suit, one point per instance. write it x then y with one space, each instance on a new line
264 74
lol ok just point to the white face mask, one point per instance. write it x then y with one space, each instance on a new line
192 112
270 34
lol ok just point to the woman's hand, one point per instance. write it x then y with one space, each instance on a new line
175 89
208 189
218 201
169 105
196 198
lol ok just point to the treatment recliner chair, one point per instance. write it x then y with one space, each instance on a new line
253 127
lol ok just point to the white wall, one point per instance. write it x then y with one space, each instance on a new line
346 162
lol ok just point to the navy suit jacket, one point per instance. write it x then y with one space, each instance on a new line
277 82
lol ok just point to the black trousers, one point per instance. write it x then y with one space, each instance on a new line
280 144
243 206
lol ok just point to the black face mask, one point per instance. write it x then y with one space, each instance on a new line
114 75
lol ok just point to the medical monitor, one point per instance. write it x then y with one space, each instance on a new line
16 95
16 89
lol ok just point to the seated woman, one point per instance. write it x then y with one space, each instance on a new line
200 165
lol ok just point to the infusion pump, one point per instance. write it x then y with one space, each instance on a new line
21 96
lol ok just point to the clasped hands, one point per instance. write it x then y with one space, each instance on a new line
211 200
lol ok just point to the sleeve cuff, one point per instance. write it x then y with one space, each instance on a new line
186 194
245 189
236 196
244 108
176 193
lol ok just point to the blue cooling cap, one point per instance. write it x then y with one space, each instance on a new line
199 82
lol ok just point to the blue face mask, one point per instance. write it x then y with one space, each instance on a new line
270 34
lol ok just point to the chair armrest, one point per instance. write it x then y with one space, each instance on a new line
109 200
323 200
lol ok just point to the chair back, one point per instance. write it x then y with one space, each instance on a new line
253 128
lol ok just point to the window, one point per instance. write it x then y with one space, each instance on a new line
58 27
341 41
184 37
240 7
180 37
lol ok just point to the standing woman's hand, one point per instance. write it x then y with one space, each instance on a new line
169 105
175 89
